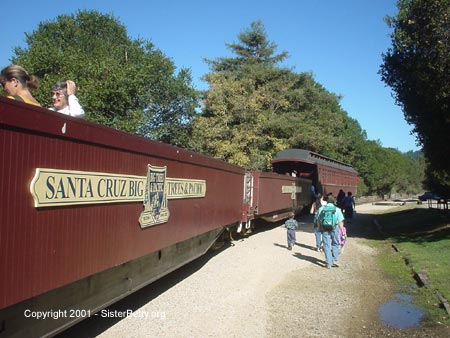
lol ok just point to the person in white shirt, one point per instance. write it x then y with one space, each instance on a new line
64 99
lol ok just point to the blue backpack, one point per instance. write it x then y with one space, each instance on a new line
327 219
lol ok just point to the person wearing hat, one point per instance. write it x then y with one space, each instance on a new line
329 219
64 99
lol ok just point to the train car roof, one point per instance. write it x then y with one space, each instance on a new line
307 156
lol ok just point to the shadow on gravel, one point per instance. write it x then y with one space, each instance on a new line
305 246
280 245
310 259
302 256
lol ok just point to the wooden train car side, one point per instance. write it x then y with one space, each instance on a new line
274 197
327 175
75 232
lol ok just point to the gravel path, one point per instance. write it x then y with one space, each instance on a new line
257 288
226 297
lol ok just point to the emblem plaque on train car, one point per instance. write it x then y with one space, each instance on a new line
159 189
155 198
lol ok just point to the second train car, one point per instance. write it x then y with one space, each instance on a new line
326 174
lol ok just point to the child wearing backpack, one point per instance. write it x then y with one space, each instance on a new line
329 220
291 226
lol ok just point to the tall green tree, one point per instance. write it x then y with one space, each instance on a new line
240 101
417 68
383 171
413 172
123 83
254 108
380 169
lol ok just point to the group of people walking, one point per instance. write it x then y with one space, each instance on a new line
17 83
347 204
329 227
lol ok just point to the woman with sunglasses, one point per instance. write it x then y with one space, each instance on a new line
16 83
64 99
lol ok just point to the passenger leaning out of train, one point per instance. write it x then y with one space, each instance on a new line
16 83
64 99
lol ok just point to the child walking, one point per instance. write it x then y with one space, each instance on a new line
342 238
291 225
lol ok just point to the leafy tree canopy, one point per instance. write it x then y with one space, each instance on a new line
254 108
253 49
123 83
417 68
386 170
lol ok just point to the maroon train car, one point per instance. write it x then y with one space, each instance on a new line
327 175
274 197
90 214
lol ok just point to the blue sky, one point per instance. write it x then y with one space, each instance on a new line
339 41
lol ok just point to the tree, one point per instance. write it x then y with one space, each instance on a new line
255 108
240 101
414 172
383 171
380 169
170 114
255 53
417 68
122 83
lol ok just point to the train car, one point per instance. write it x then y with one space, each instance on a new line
326 175
273 197
90 214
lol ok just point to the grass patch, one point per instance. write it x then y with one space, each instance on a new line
423 238
394 264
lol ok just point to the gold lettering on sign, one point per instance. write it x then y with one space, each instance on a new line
53 187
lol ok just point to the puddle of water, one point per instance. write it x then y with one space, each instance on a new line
400 312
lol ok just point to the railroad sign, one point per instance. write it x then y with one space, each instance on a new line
58 188
291 189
